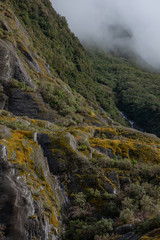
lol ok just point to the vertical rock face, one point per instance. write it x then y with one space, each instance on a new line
17 205
16 100
16 202
5 70
23 215
24 104
11 66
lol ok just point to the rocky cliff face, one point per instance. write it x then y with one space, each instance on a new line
67 171
31 199
28 87
17 85
54 178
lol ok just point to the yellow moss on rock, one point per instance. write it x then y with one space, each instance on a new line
140 148
154 235
24 153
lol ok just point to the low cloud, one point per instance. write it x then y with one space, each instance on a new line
123 24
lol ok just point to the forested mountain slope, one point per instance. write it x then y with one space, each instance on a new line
67 169
137 92
120 84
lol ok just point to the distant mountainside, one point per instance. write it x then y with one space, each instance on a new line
136 91
70 166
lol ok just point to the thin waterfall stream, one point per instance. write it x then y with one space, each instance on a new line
129 121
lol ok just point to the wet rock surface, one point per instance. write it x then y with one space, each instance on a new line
28 104
5 69
18 207
11 66
23 104
54 151
125 229
128 236
15 201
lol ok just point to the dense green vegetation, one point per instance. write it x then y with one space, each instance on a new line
64 52
135 204
53 40
113 82
137 92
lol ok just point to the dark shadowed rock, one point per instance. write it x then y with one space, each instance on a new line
20 73
127 236
16 203
5 68
107 152
11 66
17 206
4 25
28 104
125 229
53 153
113 176
136 237
28 57
124 181
3 100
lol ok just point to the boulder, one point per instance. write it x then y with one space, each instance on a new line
127 236
107 152
125 229
4 132
55 159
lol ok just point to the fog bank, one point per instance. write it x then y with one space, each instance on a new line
125 24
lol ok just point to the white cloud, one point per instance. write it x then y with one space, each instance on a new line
104 21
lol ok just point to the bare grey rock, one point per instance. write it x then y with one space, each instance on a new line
28 104
107 152
5 68
17 206
11 66
125 229
127 236
20 73
3 100
55 164
4 25
4 132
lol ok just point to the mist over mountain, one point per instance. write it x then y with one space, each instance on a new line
127 25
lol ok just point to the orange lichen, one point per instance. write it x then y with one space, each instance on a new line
129 148
23 152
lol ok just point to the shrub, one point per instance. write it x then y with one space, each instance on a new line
127 215
150 224
79 229
80 199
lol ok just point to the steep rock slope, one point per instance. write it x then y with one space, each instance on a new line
91 181
68 171
31 199
63 51
109 81
28 87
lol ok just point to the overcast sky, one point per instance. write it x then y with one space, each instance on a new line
129 24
